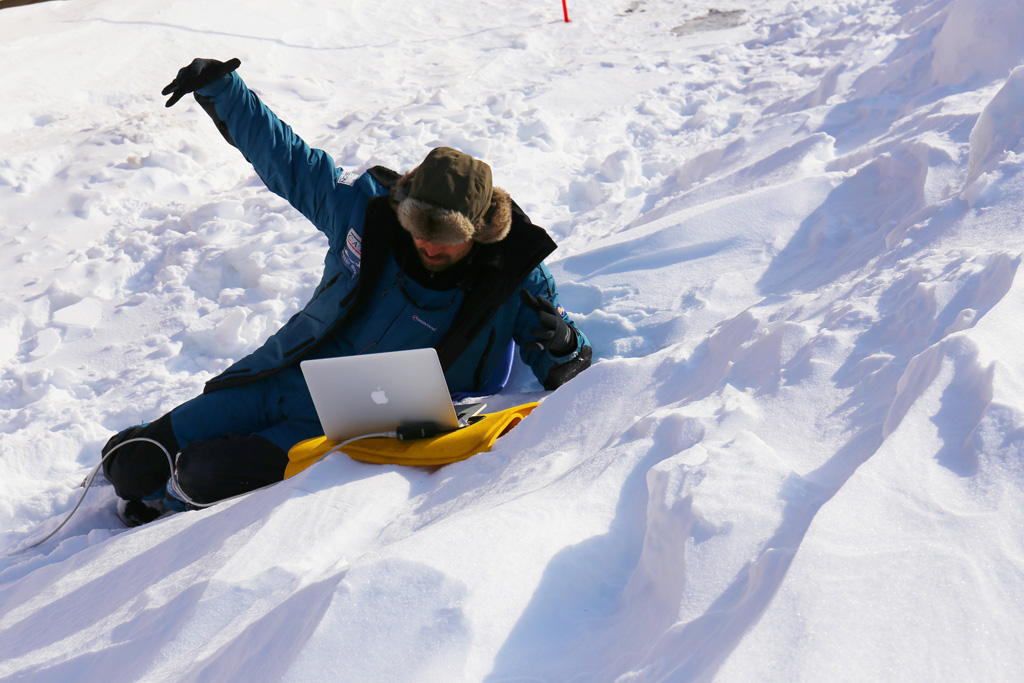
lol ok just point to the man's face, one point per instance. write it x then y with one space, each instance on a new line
437 257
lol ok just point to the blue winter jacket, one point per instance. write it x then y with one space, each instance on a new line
337 203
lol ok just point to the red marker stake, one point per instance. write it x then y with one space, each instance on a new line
565 10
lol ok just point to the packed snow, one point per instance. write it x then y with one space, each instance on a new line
790 228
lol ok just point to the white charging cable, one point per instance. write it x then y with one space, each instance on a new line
87 484
175 486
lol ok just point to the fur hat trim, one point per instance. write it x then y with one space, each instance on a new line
434 223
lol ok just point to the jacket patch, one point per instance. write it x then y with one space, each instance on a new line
423 322
352 255
347 178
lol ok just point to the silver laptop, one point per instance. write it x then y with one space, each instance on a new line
379 392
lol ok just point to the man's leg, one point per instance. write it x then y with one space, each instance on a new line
231 441
218 462
208 471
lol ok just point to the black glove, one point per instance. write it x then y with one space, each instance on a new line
199 74
554 334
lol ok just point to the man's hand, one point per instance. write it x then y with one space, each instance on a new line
554 334
199 74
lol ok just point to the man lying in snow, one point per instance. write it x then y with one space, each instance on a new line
436 257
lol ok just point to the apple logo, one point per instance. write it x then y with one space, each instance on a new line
379 396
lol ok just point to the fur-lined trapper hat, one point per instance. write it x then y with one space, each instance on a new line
449 199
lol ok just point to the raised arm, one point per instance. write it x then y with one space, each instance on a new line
307 178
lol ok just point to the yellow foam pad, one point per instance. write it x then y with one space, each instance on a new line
441 449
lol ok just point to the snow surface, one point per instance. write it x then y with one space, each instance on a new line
791 229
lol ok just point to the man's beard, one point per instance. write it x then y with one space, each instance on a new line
437 264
